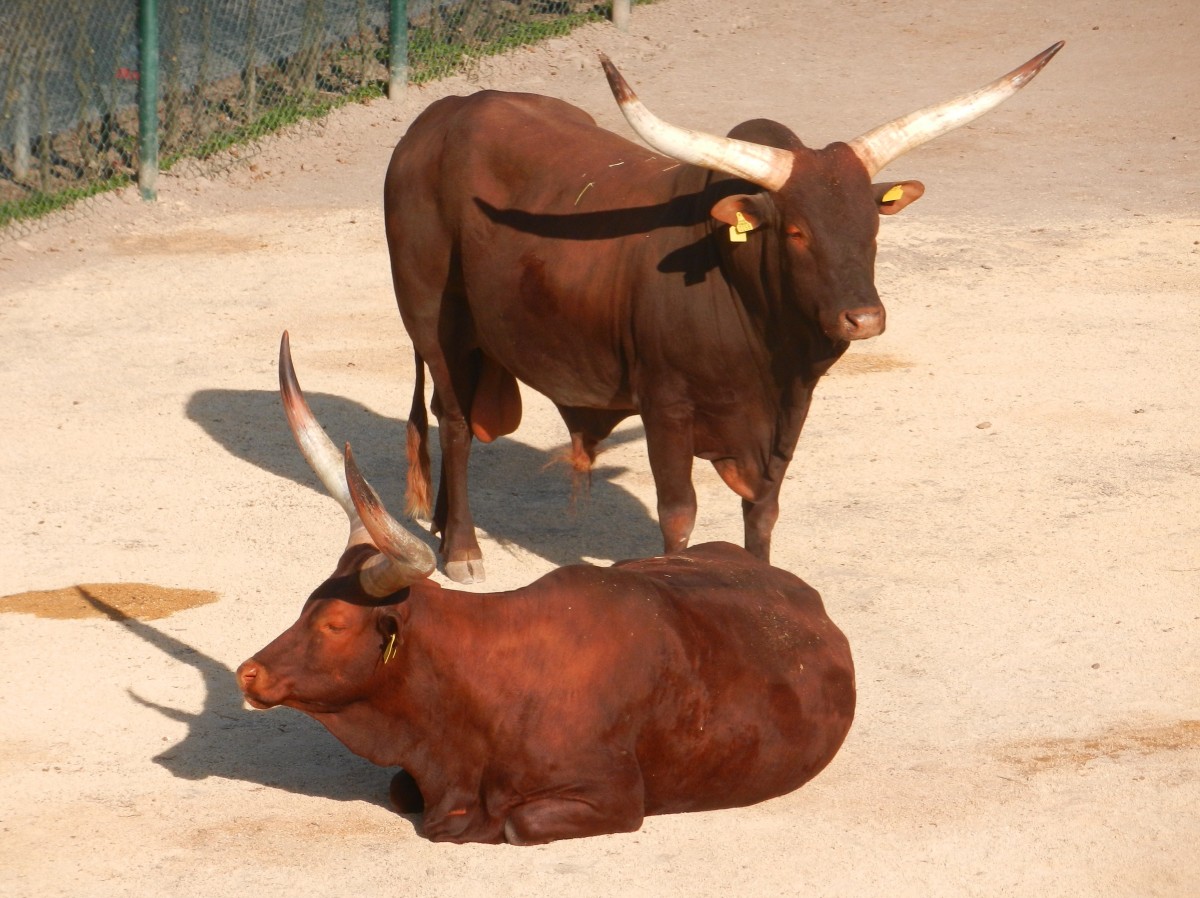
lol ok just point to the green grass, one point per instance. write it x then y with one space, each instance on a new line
293 110
38 204
430 59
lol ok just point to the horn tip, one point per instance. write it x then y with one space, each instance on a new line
1023 75
1049 52
361 492
616 82
287 371
1039 62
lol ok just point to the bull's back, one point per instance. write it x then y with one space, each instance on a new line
495 146
762 693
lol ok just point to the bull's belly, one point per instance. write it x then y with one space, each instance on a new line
568 375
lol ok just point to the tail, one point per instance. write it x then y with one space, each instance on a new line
578 458
417 501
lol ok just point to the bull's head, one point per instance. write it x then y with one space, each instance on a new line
349 627
821 203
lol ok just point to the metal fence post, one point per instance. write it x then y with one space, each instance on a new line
148 99
398 50
620 14
21 133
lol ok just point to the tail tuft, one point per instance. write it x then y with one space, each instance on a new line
417 501
579 462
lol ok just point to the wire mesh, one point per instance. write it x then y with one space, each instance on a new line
229 71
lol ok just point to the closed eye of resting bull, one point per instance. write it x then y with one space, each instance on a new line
705 284
570 707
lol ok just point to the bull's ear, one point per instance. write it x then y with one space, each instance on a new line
744 212
389 630
893 196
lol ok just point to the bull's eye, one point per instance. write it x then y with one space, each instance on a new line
797 237
334 627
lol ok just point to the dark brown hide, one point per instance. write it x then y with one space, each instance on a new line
580 703
524 239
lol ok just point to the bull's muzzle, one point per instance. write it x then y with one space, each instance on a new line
248 677
860 323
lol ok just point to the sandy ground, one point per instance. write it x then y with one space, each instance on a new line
998 498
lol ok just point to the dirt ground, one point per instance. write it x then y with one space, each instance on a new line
998 498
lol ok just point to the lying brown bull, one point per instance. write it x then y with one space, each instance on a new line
570 707
707 294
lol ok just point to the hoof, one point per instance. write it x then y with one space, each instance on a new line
405 794
466 572
469 571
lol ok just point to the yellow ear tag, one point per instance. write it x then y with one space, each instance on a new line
389 650
896 193
737 232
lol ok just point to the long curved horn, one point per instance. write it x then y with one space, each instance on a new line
884 144
404 559
765 166
409 559
316 447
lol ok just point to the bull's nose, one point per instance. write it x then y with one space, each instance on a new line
862 323
247 678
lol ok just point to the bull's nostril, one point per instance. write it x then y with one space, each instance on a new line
857 324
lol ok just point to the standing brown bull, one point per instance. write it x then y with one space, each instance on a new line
570 707
705 286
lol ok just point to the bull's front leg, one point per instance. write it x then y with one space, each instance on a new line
758 518
669 448
760 488
760 501
460 548
458 816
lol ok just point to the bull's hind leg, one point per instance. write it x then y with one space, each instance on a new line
613 803
551 819
454 385
442 340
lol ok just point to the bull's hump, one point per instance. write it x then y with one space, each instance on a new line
707 568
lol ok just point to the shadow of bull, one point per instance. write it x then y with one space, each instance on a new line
281 751
519 495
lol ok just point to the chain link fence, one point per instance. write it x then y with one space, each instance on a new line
229 72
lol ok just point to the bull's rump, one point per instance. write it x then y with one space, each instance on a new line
766 696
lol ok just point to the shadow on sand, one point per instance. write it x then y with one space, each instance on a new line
519 495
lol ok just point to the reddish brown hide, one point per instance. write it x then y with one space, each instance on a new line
707 296
580 703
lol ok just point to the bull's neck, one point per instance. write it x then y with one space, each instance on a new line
797 348
423 698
